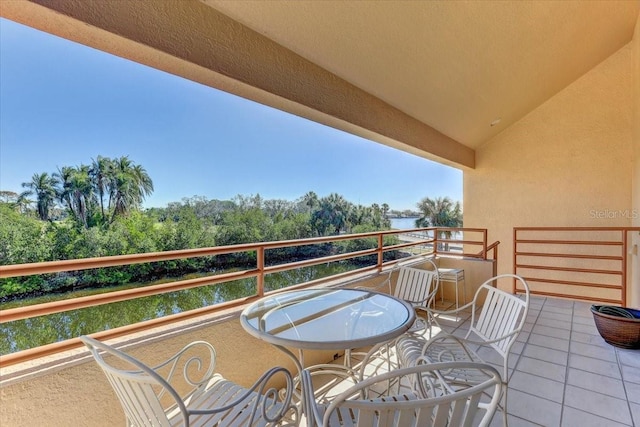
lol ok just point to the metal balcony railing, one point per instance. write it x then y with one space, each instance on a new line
431 242
581 263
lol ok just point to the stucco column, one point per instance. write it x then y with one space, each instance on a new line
635 248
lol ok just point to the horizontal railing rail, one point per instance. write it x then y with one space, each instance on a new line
258 272
583 263
444 240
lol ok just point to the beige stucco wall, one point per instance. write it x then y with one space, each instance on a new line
635 293
568 158
476 272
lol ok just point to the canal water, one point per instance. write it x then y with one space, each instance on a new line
403 223
29 333
24 334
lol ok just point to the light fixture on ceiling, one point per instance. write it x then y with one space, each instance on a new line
496 121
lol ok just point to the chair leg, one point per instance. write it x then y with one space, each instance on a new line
505 422
347 358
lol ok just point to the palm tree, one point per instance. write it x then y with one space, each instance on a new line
385 221
310 200
378 215
129 184
359 215
23 202
63 180
385 209
43 186
75 190
439 212
144 184
100 172
332 215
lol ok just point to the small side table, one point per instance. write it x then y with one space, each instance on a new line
455 276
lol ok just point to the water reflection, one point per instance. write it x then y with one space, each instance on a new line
24 334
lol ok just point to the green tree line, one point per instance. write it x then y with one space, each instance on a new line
95 210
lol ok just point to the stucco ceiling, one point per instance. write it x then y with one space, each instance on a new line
454 65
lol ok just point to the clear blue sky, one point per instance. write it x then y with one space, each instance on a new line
64 104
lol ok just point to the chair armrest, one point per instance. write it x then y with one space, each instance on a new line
444 336
465 342
431 313
462 307
495 340
197 369
446 340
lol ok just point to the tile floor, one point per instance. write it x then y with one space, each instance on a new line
565 374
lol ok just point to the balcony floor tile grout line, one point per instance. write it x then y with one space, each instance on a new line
566 373
515 366
624 386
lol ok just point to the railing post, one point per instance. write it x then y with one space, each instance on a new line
435 241
380 251
625 258
260 267
484 244
495 261
515 250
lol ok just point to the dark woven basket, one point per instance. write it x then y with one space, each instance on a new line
619 326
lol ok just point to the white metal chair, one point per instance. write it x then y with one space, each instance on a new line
433 402
496 326
418 287
149 397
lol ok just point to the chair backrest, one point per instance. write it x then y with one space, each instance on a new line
502 314
417 286
138 387
440 406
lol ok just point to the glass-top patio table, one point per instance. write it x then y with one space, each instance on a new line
327 319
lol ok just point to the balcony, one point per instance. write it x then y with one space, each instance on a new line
565 152
565 374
